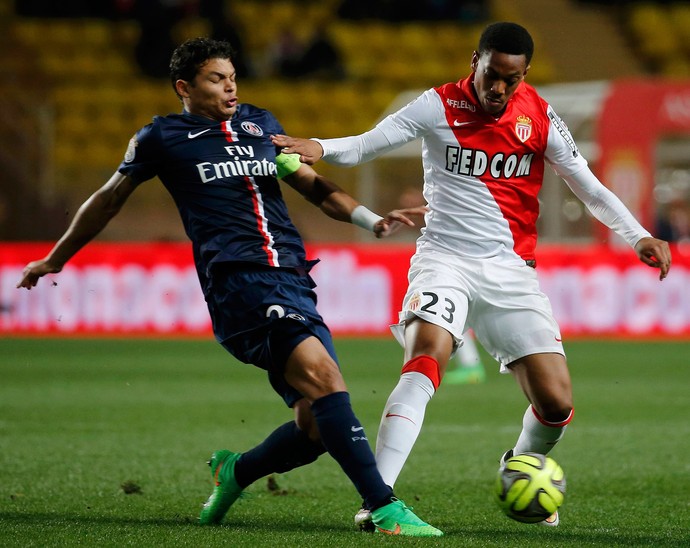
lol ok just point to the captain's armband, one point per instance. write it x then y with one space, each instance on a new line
287 164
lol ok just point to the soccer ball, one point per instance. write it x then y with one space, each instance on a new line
530 487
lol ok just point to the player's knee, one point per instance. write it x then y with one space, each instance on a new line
315 379
327 376
553 405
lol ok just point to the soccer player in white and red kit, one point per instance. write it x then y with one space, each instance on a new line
485 142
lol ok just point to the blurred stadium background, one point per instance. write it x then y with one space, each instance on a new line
74 92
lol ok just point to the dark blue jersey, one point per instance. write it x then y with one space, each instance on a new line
222 176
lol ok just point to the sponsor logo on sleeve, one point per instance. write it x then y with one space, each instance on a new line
563 130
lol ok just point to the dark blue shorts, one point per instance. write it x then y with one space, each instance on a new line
260 314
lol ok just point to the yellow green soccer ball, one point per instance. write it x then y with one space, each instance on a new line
530 487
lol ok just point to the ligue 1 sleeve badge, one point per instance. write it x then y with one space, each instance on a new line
131 150
523 127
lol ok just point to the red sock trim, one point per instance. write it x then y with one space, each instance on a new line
426 365
553 424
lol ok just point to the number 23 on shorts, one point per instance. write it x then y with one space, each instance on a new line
431 305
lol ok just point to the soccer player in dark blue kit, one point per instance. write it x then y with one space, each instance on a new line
217 161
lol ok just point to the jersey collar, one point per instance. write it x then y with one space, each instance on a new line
199 119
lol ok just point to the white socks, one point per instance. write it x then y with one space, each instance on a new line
401 423
403 417
538 435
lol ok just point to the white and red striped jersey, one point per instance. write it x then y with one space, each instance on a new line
482 174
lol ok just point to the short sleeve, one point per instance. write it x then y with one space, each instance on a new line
142 158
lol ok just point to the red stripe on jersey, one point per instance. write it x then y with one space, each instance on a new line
500 139
262 222
521 211
230 135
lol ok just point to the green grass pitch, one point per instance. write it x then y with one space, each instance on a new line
80 419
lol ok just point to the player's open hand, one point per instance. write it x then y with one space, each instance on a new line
35 270
396 219
309 151
655 253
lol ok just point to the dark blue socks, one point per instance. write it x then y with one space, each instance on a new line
286 448
343 437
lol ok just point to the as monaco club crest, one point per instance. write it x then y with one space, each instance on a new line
523 127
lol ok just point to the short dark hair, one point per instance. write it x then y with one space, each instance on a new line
506 37
189 56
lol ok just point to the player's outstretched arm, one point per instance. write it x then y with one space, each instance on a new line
655 253
339 205
309 151
93 215
609 209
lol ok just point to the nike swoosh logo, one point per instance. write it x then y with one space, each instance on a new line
356 429
395 531
458 124
558 340
388 415
191 135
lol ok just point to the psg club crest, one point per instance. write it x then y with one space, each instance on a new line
523 127
252 129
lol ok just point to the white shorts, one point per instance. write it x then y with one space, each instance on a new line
501 301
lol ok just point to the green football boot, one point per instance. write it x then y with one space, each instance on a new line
226 491
398 519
